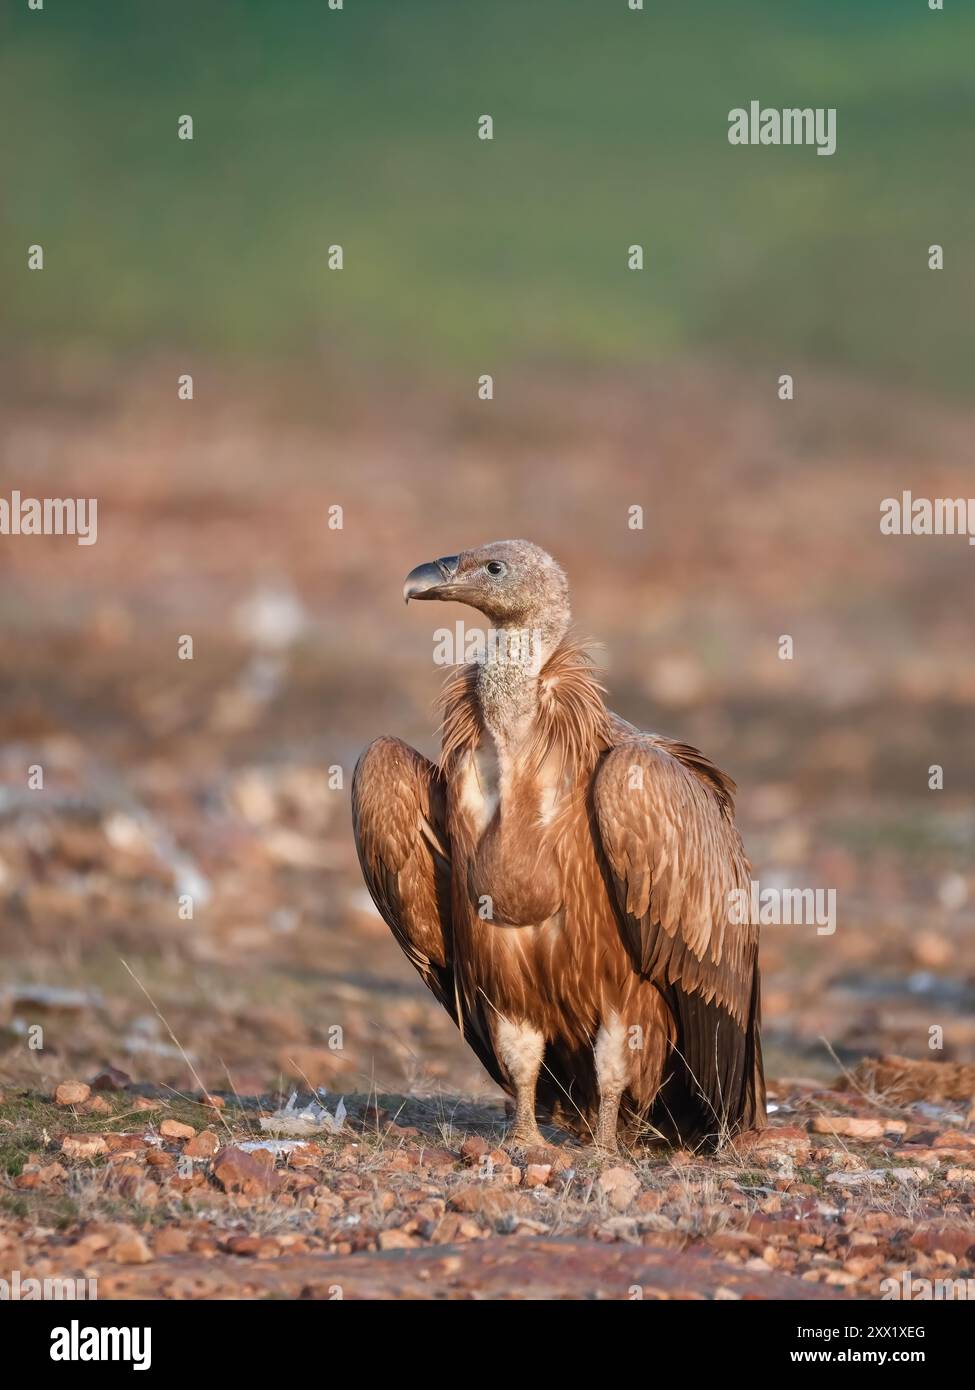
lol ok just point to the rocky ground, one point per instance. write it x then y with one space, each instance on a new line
172 1197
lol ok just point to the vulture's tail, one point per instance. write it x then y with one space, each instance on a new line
715 1086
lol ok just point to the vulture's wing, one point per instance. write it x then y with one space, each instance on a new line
404 850
664 817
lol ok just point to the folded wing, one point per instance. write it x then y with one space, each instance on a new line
664 815
398 817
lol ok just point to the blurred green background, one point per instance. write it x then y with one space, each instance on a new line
358 126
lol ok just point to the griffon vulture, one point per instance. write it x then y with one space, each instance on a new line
561 880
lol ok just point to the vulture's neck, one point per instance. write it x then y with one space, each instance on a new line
528 710
508 684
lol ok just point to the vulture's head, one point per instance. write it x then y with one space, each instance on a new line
513 583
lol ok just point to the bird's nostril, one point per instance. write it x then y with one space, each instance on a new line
447 565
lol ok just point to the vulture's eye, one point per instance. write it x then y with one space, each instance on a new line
494 567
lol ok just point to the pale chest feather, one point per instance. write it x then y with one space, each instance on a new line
509 814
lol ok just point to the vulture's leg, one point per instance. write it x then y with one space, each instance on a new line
521 1048
630 1053
609 1113
614 1064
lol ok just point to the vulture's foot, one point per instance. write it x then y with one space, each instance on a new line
525 1136
607 1148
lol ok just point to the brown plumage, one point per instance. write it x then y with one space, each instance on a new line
561 880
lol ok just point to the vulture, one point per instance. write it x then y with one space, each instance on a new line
561 880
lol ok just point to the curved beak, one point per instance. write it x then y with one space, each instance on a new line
430 580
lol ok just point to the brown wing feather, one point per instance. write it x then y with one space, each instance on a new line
398 818
664 816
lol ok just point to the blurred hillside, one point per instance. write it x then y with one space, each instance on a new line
357 127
